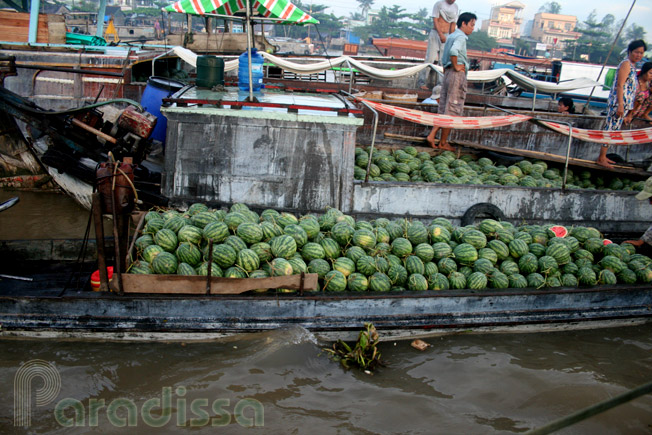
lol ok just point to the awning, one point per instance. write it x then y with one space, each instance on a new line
281 10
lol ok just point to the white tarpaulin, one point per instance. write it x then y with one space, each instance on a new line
386 74
548 87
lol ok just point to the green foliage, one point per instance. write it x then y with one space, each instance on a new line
551 7
364 354
394 22
481 41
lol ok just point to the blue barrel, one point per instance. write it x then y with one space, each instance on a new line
256 70
158 88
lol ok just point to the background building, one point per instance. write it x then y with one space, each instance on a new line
505 22
555 30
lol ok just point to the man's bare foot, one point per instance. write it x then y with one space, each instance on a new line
637 243
603 161
446 146
432 142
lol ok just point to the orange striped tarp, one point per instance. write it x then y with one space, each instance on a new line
447 121
621 137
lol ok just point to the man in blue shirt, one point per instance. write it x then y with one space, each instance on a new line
456 65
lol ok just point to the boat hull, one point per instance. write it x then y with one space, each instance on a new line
399 315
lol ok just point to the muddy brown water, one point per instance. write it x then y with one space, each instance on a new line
281 381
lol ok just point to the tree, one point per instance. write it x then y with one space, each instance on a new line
481 41
634 32
365 5
551 7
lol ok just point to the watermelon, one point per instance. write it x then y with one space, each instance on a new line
364 238
500 248
249 232
263 250
203 218
310 225
547 264
438 233
612 263
401 247
498 280
447 265
587 276
441 250
342 233
150 252
284 219
594 245
154 225
627 276
344 265
382 265
477 280
280 267
488 254
298 265
152 214
417 282
144 241
166 239
414 264
430 268
535 280
174 223
379 282
334 281
475 238
457 280
236 243
311 251
270 230
558 231
381 250
224 255
490 226
234 272
215 231
509 267
397 274
165 263
357 282
382 235
438 281
189 254
186 269
417 233
465 253
528 263
537 249
202 269
331 248
319 266
482 265
283 246
559 252
518 248
142 267
569 280
197 208
517 281
248 260
269 215
366 265
354 253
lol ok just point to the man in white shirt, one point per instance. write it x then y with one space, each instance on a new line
444 17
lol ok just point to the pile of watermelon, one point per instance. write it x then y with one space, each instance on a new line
409 165
382 255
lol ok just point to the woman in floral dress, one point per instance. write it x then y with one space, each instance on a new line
621 97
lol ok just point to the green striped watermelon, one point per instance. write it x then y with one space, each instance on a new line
188 253
379 282
144 241
249 232
248 260
331 248
477 280
312 251
236 243
202 269
344 265
263 250
364 238
297 233
417 282
319 266
357 282
165 263
334 281
354 253
438 281
465 253
283 246
215 231
166 239
186 269
342 233
224 255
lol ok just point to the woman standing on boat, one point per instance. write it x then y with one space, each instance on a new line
643 100
621 97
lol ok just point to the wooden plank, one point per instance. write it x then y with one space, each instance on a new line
530 154
179 284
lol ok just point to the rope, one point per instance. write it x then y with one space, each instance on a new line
598 408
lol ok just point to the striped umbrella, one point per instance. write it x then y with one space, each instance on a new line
279 9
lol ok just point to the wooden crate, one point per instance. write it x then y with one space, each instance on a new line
14 26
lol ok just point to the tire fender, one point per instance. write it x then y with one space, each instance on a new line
481 208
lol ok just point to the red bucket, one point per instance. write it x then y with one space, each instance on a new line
95 278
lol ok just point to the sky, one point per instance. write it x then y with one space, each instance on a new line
641 14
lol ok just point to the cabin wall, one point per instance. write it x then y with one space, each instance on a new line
263 159
609 211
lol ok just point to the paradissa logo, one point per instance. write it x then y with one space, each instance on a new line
157 412
121 412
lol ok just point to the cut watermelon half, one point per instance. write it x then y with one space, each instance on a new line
559 231
606 242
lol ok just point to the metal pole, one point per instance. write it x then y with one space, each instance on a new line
33 21
249 44
373 136
100 19
588 101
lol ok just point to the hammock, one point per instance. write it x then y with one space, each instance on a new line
624 137
446 121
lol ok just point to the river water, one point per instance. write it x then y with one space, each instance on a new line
282 382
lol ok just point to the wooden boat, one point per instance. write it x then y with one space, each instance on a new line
48 305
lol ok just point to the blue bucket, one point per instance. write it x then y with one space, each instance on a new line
158 88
